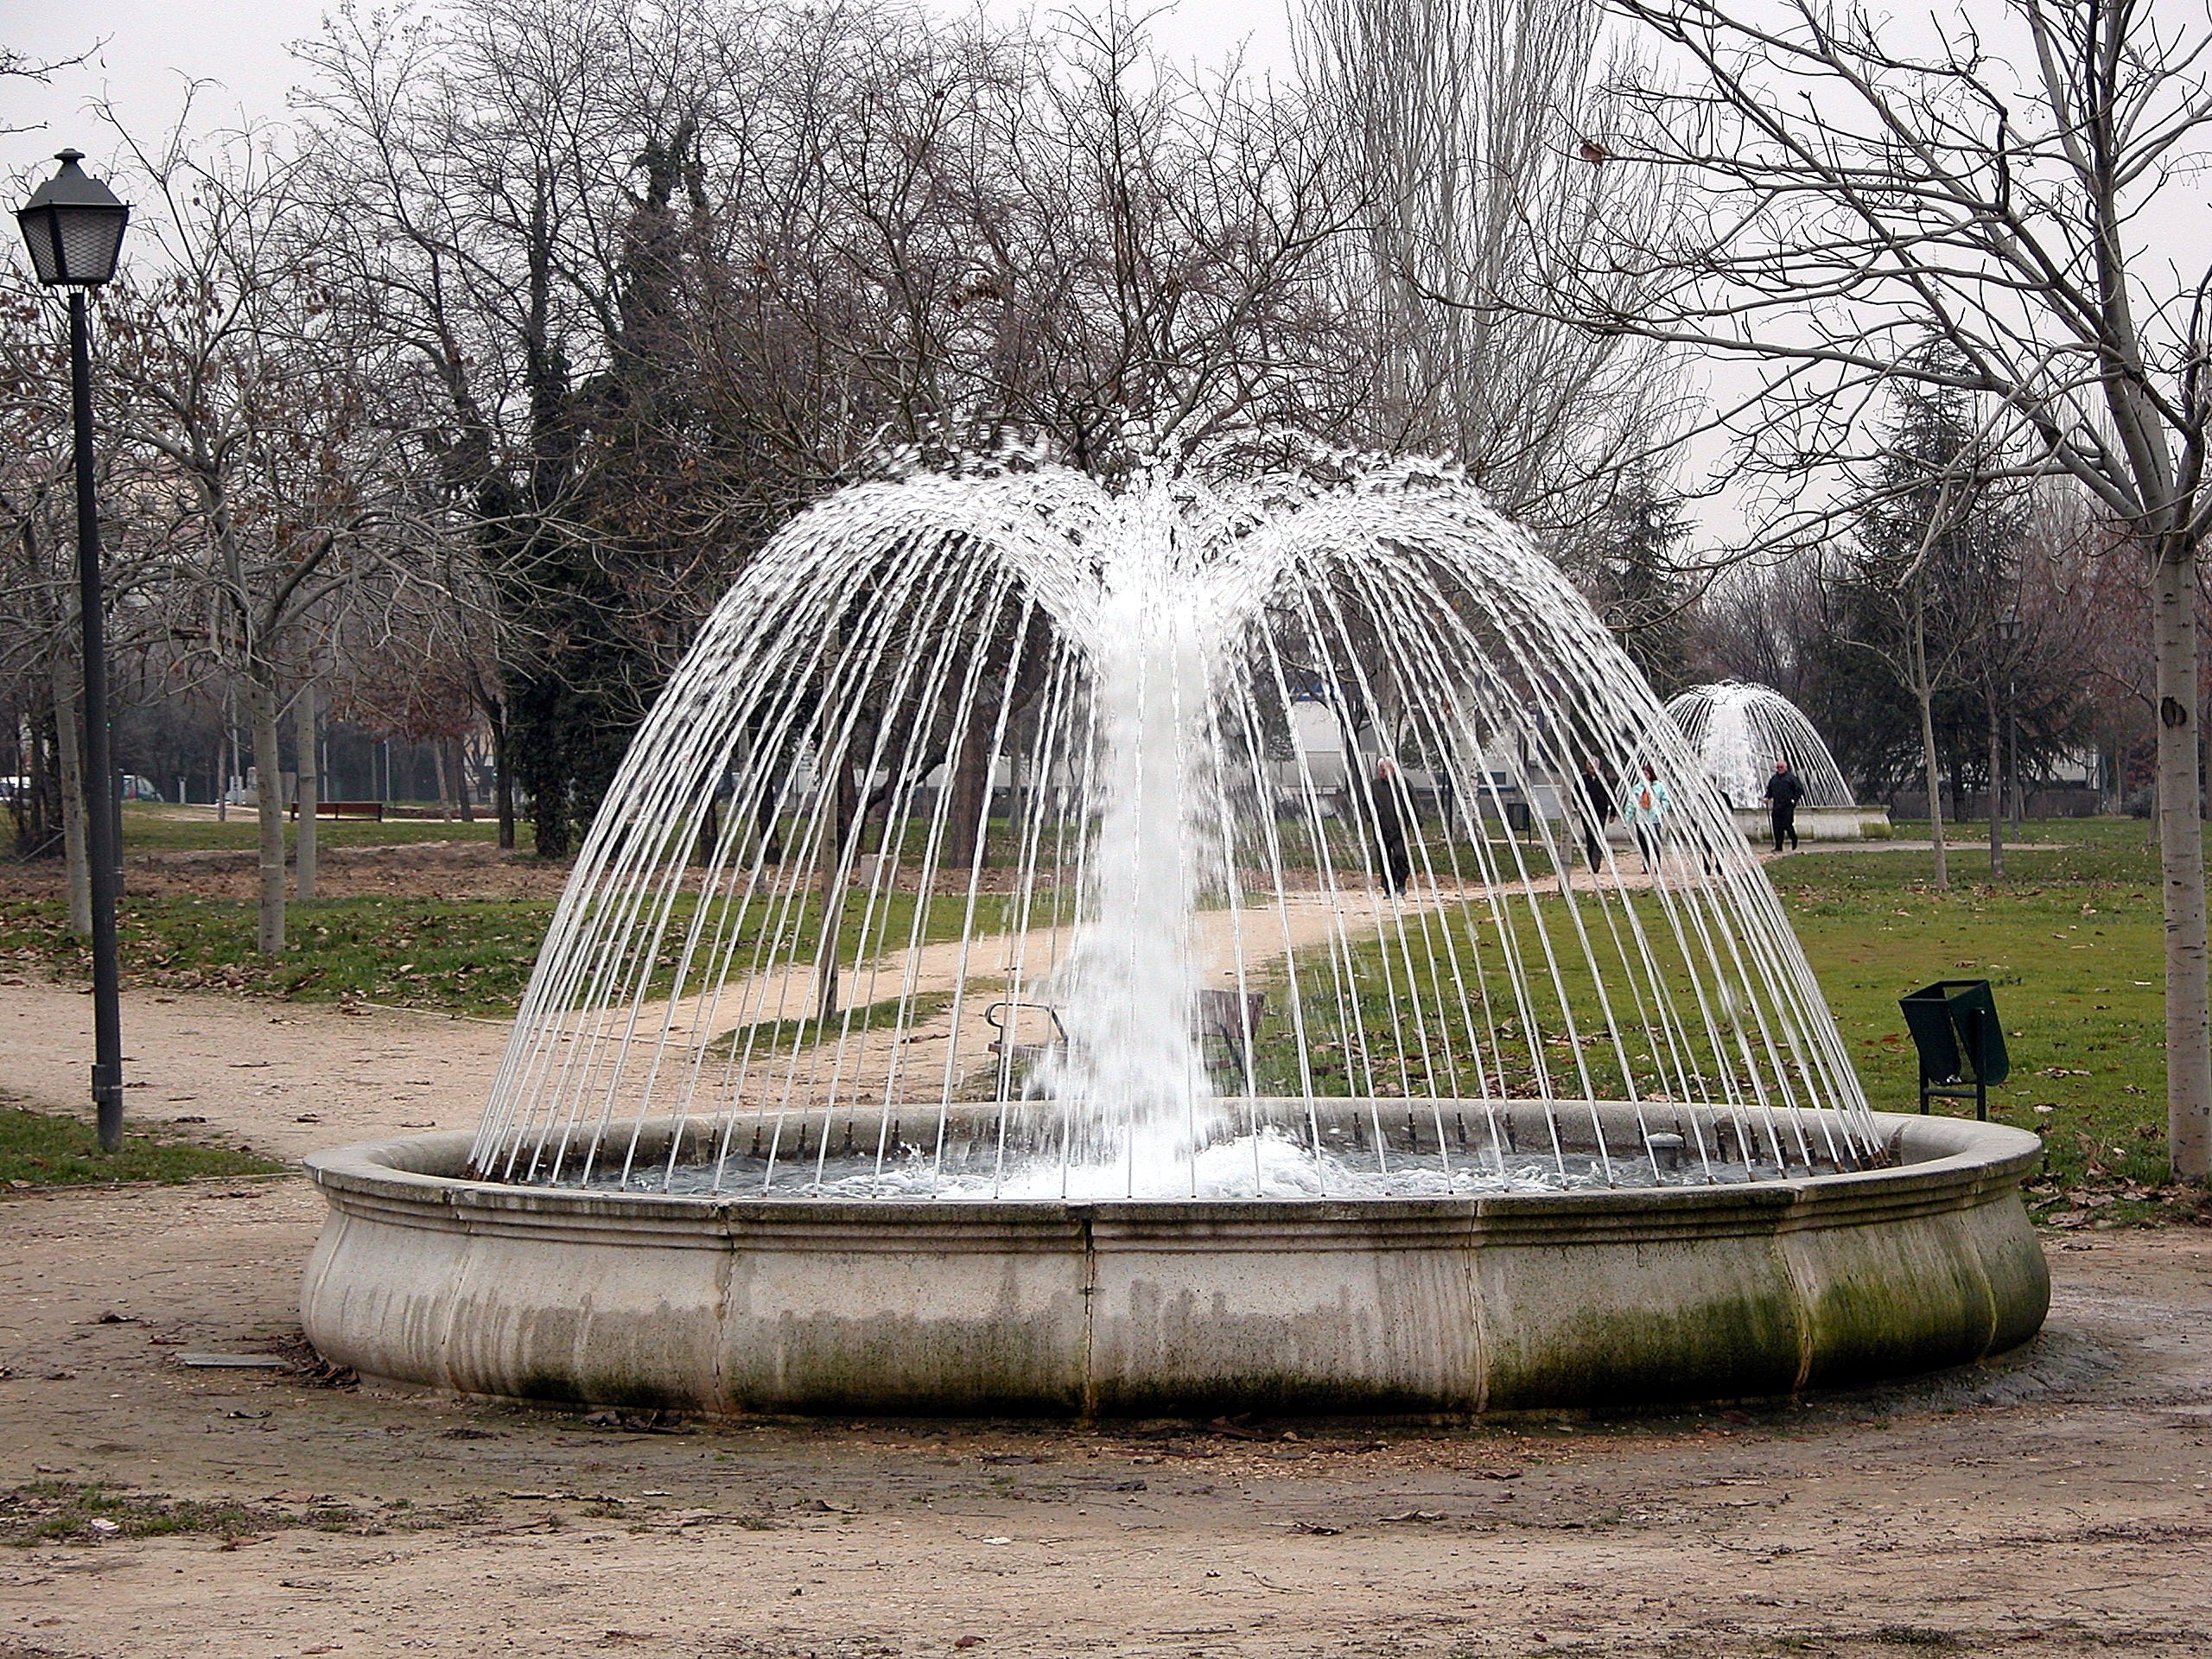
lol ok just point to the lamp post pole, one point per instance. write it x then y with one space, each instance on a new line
73 226
100 847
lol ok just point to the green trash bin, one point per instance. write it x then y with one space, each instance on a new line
1962 1042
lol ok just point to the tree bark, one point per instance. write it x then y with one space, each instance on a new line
2181 857
69 757
225 761
464 795
268 793
1924 695
503 786
970 783
310 793
445 780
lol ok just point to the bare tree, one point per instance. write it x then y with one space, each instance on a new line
40 633
2007 183
264 413
1475 139
20 66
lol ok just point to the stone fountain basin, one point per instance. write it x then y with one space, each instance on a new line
1515 1301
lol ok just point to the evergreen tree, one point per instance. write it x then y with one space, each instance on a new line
1918 588
1638 582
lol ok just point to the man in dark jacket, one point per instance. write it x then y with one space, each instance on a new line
1783 791
1597 809
1391 824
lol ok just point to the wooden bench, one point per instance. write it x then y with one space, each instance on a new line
1225 1024
365 810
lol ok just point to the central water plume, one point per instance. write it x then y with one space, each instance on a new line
1132 975
1008 836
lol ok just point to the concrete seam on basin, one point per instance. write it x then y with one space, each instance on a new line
1988 1300
1088 1360
1801 1295
1479 1384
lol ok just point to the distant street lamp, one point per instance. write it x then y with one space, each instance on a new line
73 227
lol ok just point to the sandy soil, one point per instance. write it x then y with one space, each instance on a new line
422 869
2055 1504
281 1077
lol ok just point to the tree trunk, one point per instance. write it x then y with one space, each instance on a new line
503 786
69 756
970 783
1996 796
831 851
464 793
226 755
2181 858
1924 695
445 780
269 792
310 794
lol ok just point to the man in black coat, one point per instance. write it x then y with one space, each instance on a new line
1783 791
1390 815
1597 811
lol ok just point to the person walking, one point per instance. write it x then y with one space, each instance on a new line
1649 804
1597 812
1783 791
1391 824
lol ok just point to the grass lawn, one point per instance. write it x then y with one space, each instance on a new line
2074 945
44 1150
459 956
468 955
150 828
2073 942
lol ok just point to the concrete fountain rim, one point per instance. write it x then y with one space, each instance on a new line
1938 1161
1152 1307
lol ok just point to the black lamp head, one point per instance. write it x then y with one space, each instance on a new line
73 227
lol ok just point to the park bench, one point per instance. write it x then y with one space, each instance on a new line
1223 1022
365 810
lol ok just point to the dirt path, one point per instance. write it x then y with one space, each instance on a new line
285 1077
2057 1504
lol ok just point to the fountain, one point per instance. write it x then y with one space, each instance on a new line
1058 947
1739 729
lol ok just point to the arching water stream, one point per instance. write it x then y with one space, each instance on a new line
1010 836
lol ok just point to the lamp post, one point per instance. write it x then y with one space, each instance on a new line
73 227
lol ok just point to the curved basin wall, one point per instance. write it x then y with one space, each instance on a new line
1580 1298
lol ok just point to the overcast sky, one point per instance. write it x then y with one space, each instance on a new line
146 51
152 49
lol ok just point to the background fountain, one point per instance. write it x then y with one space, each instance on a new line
1739 728
978 989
